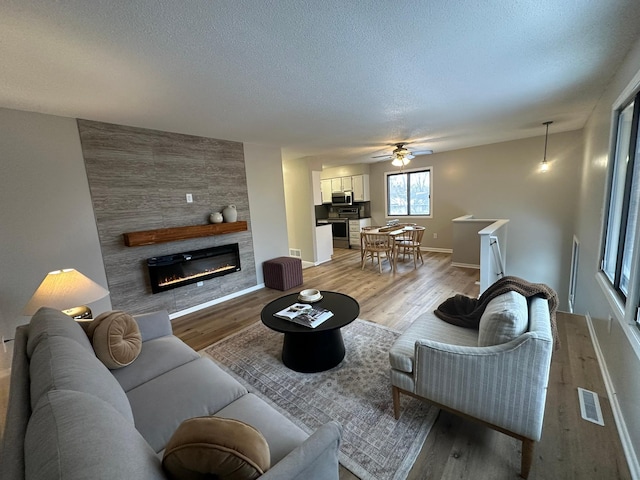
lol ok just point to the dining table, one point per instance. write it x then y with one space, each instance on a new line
394 231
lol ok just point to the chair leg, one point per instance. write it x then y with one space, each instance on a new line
395 393
365 257
527 457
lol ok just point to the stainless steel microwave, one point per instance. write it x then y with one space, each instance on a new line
342 198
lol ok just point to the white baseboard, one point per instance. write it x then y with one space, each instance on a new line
623 432
465 265
215 301
437 250
320 262
306 264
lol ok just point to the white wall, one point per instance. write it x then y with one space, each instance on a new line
502 180
299 205
621 361
46 218
345 171
266 203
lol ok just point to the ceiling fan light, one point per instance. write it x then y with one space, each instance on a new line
409 157
397 162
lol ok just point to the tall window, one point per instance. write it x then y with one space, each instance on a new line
624 200
409 193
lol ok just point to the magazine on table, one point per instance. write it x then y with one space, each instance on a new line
305 314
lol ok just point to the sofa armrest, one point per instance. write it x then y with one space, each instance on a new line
504 385
153 325
315 459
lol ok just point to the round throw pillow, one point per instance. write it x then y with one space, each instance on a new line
116 338
229 449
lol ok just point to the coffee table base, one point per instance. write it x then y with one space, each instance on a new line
311 352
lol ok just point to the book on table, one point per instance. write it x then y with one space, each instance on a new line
305 314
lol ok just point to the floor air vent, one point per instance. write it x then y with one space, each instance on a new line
590 406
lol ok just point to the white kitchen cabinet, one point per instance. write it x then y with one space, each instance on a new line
341 184
360 187
325 190
355 227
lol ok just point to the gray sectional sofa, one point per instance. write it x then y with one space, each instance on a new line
69 417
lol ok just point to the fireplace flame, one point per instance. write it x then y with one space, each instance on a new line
176 279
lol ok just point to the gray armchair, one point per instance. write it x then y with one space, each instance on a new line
502 384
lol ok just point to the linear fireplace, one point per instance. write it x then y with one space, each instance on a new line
179 269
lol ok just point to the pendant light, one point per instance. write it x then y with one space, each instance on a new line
544 166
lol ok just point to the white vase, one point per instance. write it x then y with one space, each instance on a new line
215 217
230 214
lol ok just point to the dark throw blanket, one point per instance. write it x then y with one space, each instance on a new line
465 311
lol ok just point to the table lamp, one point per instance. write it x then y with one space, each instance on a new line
67 290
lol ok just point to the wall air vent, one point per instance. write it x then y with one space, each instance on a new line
590 406
295 252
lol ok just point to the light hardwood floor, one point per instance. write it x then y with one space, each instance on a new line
571 448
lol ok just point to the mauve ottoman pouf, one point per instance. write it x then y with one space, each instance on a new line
282 273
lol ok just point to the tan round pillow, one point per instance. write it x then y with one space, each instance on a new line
226 448
116 338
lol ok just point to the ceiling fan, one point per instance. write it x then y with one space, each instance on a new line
402 155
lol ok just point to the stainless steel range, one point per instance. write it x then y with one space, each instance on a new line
339 231
340 225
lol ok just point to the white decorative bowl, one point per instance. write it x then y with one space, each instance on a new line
310 295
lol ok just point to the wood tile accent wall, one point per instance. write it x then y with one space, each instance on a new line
139 179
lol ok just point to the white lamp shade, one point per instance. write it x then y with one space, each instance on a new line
64 289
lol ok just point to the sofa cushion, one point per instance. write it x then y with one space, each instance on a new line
427 326
75 436
49 322
195 389
505 318
60 363
154 324
282 435
227 448
116 338
157 356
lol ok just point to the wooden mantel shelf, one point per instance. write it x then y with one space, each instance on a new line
161 235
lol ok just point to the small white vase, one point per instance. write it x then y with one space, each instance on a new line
215 217
230 214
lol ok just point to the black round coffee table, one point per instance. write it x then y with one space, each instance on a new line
317 349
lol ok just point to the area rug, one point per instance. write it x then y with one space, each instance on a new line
356 393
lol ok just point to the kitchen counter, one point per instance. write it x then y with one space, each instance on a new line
324 243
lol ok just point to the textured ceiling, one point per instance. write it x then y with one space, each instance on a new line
333 79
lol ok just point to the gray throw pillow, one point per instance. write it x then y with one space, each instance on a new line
505 318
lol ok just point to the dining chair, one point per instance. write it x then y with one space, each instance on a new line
374 245
410 243
362 231
405 236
